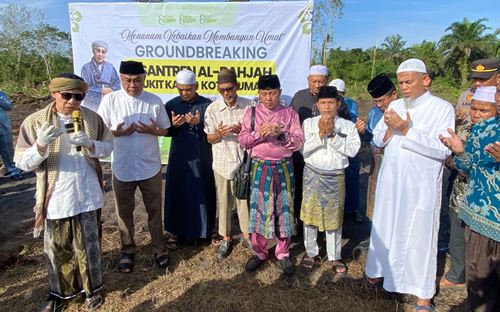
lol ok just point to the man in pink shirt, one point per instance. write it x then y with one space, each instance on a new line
276 134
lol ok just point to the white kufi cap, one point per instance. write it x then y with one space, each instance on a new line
412 65
485 94
339 84
318 70
185 77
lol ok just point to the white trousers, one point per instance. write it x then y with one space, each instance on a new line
333 242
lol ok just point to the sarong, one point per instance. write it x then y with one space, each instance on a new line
73 255
376 161
323 198
271 198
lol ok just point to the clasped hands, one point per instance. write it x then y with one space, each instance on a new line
270 130
395 123
180 119
225 130
140 127
326 125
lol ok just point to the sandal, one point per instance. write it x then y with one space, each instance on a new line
126 263
308 262
94 302
216 239
424 308
339 267
173 243
53 305
162 260
373 283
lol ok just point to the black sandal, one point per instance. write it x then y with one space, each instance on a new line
369 282
94 302
126 264
162 261
173 243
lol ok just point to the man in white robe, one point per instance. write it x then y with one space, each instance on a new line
403 243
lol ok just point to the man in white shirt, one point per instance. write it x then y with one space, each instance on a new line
403 242
136 119
69 189
222 125
328 142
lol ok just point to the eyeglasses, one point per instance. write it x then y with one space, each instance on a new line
224 90
77 96
137 81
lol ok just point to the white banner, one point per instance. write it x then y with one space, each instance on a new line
254 38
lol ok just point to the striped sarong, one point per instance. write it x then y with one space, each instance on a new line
323 198
271 198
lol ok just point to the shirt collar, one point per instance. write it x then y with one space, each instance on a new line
222 105
126 95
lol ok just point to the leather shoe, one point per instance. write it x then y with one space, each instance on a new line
287 266
253 264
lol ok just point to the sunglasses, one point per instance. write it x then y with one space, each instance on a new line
77 96
223 90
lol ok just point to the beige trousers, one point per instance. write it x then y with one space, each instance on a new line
225 204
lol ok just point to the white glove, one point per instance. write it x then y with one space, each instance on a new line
47 134
81 139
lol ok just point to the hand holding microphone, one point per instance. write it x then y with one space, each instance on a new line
76 125
81 139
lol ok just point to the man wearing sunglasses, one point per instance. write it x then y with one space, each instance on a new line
64 152
222 125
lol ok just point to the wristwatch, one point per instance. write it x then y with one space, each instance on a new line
332 134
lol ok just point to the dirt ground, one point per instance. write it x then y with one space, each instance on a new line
196 281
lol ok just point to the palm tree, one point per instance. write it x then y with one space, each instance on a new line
465 43
394 47
428 52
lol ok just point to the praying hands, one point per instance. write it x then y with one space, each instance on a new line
326 125
396 123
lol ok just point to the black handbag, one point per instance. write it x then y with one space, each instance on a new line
242 176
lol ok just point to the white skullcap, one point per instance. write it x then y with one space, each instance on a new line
318 70
99 44
339 84
485 94
186 77
412 65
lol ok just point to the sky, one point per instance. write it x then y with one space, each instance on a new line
364 23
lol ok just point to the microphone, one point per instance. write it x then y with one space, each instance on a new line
76 125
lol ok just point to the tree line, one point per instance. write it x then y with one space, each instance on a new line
32 51
448 59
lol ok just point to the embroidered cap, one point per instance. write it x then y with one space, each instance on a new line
485 94
318 70
412 65
185 77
